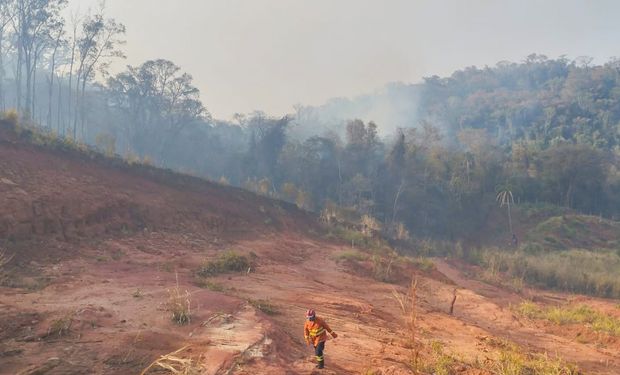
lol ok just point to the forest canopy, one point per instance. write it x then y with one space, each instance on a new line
431 156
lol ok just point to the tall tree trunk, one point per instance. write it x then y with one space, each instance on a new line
510 219
82 108
34 83
2 103
339 183
27 102
69 97
18 71
400 189
60 120
71 65
50 97
77 106
569 195
51 87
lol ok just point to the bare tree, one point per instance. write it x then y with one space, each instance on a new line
56 36
6 16
32 24
75 22
98 44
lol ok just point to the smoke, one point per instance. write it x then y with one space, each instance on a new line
394 106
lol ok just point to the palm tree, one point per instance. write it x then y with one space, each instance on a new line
505 198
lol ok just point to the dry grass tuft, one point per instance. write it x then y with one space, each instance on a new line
5 258
179 304
175 364
60 327
408 305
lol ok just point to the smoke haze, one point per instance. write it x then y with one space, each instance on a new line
273 54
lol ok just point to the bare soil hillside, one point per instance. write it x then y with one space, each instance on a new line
100 247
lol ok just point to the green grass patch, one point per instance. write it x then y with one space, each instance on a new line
350 255
441 363
265 306
210 285
436 248
421 263
513 362
580 314
355 238
226 262
510 360
574 231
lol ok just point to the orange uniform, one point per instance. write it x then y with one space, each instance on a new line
315 330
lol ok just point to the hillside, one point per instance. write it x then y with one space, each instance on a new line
106 251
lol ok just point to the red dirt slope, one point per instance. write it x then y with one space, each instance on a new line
99 246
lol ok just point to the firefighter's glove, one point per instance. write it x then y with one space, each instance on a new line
334 335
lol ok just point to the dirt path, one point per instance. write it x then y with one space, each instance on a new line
116 330
371 325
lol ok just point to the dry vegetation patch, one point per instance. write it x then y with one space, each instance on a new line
577 314
599 271
5 258
505 358
177 363
179 305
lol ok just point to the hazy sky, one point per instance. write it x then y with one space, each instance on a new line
271 54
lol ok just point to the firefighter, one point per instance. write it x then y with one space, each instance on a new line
315 333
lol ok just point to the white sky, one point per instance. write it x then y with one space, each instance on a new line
271 54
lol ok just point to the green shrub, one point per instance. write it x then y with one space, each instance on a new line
210 285
225 263
442 363
350 255
434 248
422 263
265 306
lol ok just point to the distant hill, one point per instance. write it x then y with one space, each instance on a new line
543 100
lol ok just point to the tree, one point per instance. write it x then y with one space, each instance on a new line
505 198
6 16
575 174
158 100
98 44
34 21
56 39
268 138
396 166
